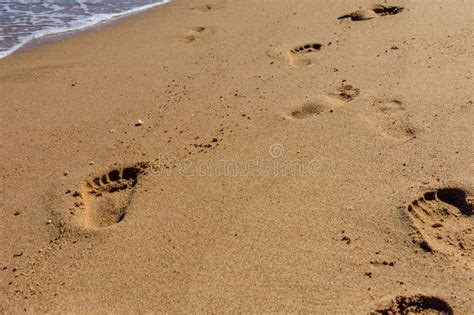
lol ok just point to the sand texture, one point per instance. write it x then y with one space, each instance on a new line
243 156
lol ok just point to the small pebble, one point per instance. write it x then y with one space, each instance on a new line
66 173
48 222
139 123
91 163
18 254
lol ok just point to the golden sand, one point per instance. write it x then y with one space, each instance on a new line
243 156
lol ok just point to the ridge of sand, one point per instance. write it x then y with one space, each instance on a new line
249 156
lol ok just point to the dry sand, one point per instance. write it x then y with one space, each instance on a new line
288 161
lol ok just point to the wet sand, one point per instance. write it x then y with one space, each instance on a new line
247 156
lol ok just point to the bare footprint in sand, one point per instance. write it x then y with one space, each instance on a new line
105 198
194 34
374 11
444 220
391 119
303 55
209 7
320 104
203 8
417 304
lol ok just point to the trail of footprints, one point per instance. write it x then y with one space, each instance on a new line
196 33
444 221
300 55
390 118
442 217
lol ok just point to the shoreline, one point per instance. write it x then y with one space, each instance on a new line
238 156
49 36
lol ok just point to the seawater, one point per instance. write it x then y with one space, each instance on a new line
24 20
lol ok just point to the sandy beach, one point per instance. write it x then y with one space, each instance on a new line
243 156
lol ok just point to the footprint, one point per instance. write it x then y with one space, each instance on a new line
203 8
374 11
302 55
207 7
194 34
346 93
105 198
392 120
417 304
308 110
444 221
343 94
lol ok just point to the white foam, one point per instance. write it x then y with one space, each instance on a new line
84 23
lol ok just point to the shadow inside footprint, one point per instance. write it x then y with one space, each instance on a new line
203 8
443 219
107 197
194 34
417 304
306 111
306 48
457 198
189 39
373 12
298 56
346 93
